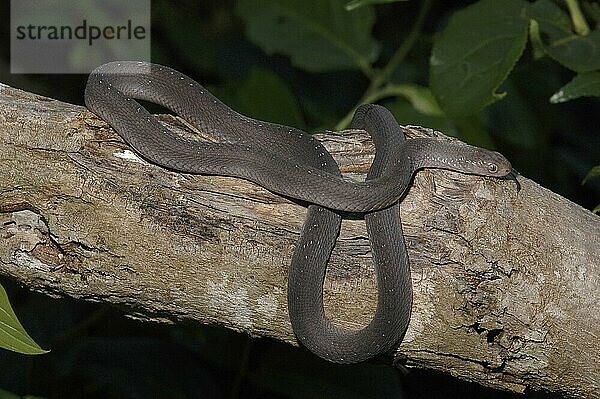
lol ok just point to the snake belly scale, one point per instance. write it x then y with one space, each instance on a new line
290 162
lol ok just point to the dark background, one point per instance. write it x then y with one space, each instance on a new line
99 353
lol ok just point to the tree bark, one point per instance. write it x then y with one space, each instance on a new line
505 283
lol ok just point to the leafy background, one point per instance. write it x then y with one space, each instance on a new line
520 77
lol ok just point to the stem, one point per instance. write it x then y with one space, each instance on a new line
407 44
580 25
366 69
380 77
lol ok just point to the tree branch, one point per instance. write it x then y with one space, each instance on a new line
505 283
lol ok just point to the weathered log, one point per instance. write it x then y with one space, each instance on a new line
505 284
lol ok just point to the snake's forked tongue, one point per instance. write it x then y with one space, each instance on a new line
512 175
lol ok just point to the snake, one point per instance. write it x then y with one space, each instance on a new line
292 163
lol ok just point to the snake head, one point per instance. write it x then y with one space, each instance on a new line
491 163
498 166
482 162
428 152
495 164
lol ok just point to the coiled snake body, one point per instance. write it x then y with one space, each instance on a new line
290 162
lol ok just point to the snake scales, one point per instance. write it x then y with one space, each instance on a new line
292 163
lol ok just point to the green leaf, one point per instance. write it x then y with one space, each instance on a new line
12 333
8 395
596 209
420 97
318 35
475 53
591 10
354 4
594 172
472 130
578 53
265 96
583 85
406 114
513 120
192 42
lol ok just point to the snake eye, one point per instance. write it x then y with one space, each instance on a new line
492 168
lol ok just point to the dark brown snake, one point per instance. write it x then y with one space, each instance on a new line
290 162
